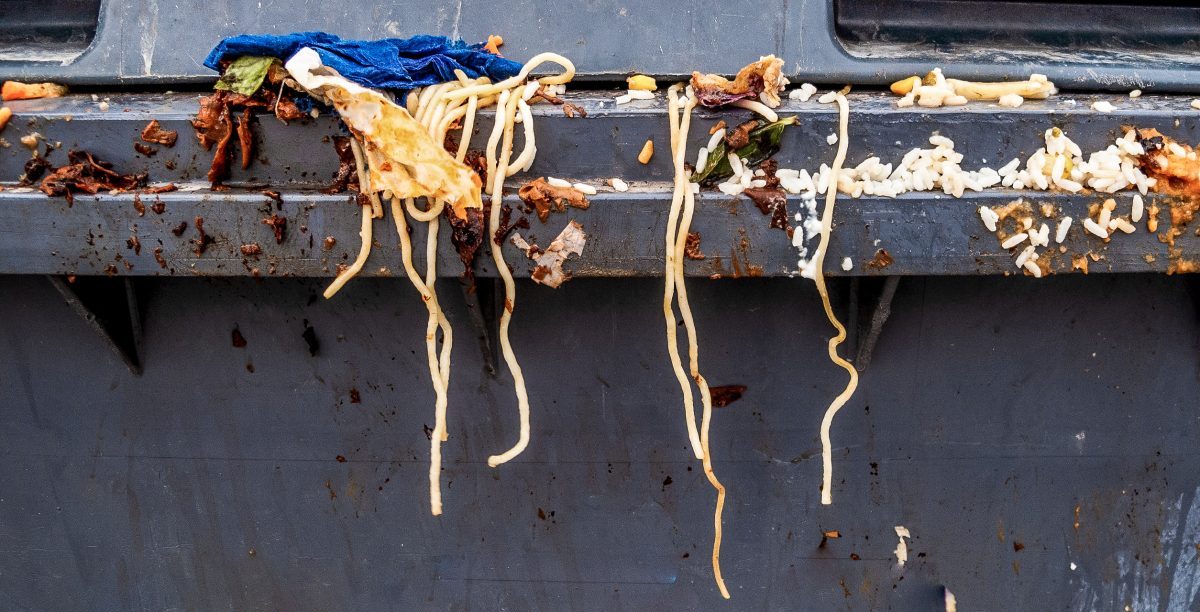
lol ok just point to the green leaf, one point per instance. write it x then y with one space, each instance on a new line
246 74
764 142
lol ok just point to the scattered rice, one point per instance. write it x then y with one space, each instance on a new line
827 98
736 163
1196 104
623 99
715 139
1095 228
584 188
1011 100
1014 240
1025 255
803 94
640 94
1061 233
1138 208
1102 106
1124 225
989 217
618 184
1137 93
1034 269
557 182
847 264
832 139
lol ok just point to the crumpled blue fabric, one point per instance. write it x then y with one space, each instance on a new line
397 64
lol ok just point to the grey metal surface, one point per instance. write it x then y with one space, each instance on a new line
925 233
155 42
1015 427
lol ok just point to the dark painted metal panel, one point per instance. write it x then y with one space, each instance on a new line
925 235
1057 417
156 42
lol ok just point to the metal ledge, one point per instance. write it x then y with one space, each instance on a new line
925 235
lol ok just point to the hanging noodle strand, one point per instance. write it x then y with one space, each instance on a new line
506 109
819 277
676 239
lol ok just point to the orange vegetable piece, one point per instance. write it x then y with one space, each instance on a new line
13 90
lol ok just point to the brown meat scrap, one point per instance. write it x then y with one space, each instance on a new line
1172 163
278 225
762 77
726 394
214 125
467 236
347 175
86 174
691 246
548 269
739 136
770 201
245 138
154 133
544 197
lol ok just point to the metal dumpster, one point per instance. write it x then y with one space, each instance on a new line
195 428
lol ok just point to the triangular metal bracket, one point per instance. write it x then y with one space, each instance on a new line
110 307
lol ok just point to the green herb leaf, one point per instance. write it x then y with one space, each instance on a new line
246 74
765 141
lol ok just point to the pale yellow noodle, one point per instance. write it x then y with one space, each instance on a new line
677 153
826 226
364 250
557 79
505 114
689 205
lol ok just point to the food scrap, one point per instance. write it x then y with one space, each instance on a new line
902 547
936 90
14 90
647 152
641 82
691 246
760 81
544 197
154 133
278 225
1175 165
5 115
725 395
86 174
548 269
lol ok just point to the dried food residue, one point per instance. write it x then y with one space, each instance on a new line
239 341
203 240
251 250
346 176
154 133
507 226
467 236
548 269
881 260
725 395
310 339
545 197
86 174
278 225
691 246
